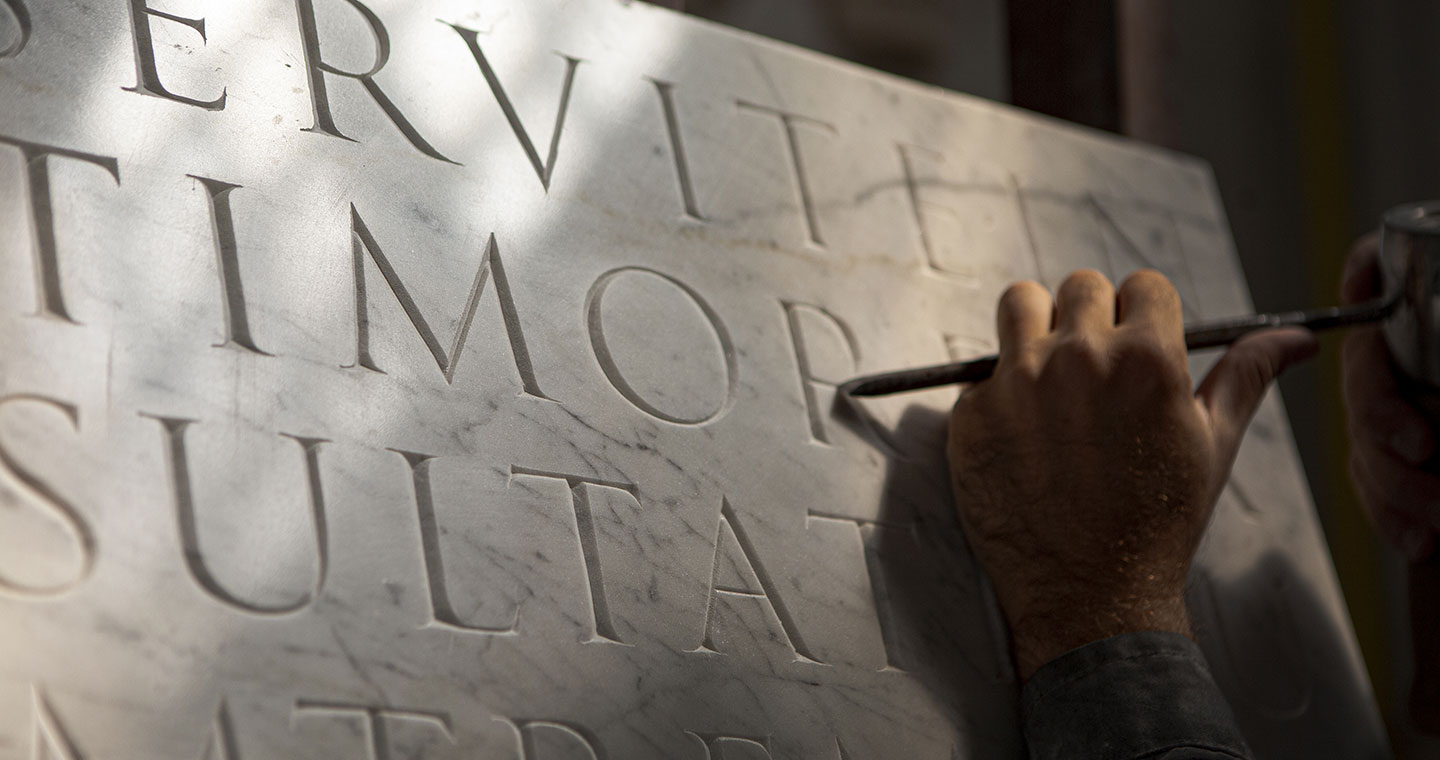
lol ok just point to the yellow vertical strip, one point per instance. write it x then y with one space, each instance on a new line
1319 103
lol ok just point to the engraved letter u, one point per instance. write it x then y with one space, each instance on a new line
189 535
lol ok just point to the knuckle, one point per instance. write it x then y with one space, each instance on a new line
1151 285
1148 279
1078 354
1022 288
1021 293
1025 371
1085 280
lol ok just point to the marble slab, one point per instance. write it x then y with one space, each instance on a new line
454 378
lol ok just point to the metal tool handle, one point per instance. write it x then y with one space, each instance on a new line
1198 336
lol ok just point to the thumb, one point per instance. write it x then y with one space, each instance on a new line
1237 383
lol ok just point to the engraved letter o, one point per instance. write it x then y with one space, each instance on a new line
612 371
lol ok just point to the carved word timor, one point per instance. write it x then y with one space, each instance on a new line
456 378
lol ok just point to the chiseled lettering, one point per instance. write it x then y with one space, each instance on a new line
232 290
442 611
789 121
866 531
372 720
714 744
815 412
183 491
546 169
808 382
59 508
363 241
50 739
49 297
593 303
666 91
21 14
147 77
1137 253
317 68
603 626
925 211
919 207
768 591
222 744
579 736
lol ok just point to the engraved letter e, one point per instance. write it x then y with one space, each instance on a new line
146 75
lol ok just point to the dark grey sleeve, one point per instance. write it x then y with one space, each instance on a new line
1139 695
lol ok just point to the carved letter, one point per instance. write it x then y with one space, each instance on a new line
372 719
988 212
49 740
146 75
50 301
603 628
593 301
543 171
22 20
581 736
677 149
182 487
441 609
237 320
866 530
317 68
363 241
815 411
767 592
714 744
788 121
222 744
1144 256
61 509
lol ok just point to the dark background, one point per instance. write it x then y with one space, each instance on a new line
1315 114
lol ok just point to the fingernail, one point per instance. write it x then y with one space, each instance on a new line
1413 542
1412 444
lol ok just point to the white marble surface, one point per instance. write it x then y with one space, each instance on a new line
616 518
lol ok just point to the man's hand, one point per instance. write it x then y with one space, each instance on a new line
1085 469
1390 438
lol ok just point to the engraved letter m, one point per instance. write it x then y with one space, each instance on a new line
490 264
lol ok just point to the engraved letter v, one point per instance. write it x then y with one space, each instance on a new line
542 170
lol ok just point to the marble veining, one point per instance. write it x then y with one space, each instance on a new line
455 378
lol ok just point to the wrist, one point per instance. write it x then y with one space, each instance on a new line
1041 634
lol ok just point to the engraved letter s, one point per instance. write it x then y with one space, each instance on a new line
60 509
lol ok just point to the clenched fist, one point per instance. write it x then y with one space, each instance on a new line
1085 469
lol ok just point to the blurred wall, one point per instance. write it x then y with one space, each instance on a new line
957 44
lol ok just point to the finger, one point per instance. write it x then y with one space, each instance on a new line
1361 277
1237 383
1085 302
1377 413
1148 300
1410 534
1023 316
